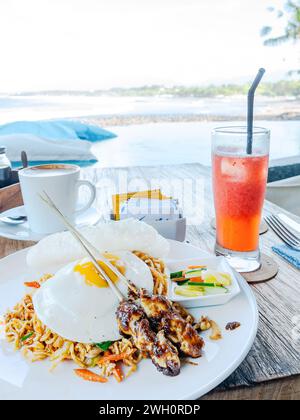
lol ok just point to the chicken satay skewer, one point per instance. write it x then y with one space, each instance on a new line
159 310
132 321
162 353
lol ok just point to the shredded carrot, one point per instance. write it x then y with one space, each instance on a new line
114 357
196 266
118 374
33 284
196 280
87 375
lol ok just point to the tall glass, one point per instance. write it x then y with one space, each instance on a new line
239 184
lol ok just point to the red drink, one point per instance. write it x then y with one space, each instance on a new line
239 189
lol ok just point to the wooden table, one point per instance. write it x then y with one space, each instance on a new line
286 283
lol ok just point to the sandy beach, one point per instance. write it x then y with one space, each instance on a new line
204 110
124 110
124 120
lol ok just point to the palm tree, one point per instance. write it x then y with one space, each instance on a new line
292 30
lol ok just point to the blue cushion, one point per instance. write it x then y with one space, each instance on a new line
81 163
58 129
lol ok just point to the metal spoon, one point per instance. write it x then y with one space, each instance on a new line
11 220
24 159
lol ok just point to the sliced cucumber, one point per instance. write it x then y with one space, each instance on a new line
177 278
217 290
227 279
195 290
217 278
202 284
182 282
209 289
177 274
184 291
194 273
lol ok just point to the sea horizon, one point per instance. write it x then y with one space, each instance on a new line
121 109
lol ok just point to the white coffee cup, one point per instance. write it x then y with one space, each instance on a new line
61 182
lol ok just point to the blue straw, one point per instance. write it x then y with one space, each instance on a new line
251 93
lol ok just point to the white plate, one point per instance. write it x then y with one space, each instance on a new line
20 379
22 232
214 263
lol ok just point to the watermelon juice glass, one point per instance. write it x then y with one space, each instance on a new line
239 184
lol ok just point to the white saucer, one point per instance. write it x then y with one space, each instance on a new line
22 232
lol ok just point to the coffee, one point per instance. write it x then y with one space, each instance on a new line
49 170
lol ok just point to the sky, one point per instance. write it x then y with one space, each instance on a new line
98 44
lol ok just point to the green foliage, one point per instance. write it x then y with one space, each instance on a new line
292 29
281 88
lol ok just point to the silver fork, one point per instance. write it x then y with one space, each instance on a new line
283 232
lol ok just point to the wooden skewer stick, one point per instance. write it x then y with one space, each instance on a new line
85 244
91 247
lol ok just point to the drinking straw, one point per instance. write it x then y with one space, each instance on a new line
251 93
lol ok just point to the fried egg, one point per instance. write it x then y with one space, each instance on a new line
79 305
129 234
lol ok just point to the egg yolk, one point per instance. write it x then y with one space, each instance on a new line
91 275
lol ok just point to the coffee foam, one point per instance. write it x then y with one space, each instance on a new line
49 170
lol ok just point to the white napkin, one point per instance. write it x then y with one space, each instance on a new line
41 149
150 210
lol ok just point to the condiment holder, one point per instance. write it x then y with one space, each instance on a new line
153 208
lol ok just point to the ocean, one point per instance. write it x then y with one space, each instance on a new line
162 142
36 107
183 142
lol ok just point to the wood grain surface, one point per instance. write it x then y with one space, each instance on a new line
275 353
10 197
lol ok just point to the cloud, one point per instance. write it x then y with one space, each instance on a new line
88 44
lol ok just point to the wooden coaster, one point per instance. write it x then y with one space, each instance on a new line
262 229
267 271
